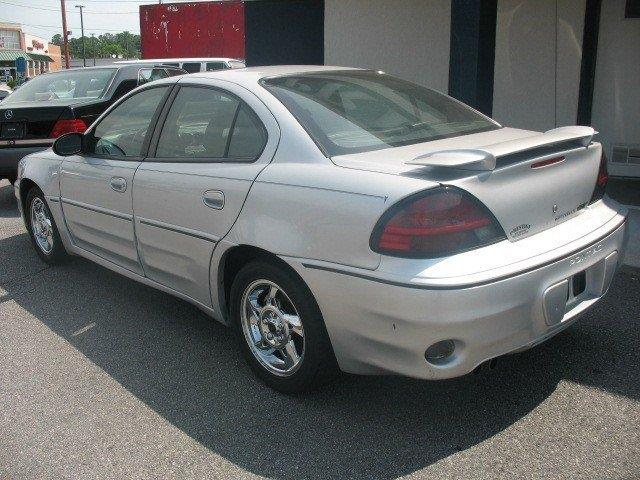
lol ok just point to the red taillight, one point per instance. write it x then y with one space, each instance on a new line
68 126
601 180
435 223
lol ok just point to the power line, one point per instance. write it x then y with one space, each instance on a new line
140 2
91 12
59 27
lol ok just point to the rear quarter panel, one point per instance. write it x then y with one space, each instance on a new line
319 211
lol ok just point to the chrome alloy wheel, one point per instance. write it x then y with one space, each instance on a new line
272 327
41 226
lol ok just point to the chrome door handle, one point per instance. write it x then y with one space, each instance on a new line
118 184
213 199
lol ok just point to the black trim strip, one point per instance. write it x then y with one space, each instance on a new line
588 64
151 223
93 208
461 286
472 57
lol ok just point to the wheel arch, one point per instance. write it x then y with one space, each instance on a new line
232 262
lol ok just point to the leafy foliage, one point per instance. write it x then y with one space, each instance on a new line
123 44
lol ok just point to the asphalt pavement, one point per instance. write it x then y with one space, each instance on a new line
101 377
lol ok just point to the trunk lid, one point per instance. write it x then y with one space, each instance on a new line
32 120
530 181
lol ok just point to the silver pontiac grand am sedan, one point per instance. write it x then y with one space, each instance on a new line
337 219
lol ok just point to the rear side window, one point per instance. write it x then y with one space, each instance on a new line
248 137
172 72
191 67
213 66
209 124
150 74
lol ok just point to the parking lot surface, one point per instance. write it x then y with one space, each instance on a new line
101 377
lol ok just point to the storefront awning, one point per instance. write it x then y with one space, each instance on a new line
40 58
12 55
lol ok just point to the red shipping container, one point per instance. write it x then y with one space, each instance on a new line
183 30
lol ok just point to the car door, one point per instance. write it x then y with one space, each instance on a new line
213 143
96 185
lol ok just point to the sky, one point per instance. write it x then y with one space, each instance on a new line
43 17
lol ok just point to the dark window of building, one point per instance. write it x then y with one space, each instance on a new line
632 9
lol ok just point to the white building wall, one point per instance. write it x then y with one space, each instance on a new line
537 64
407 38
616 98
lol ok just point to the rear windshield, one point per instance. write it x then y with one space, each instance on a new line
350 112
77 84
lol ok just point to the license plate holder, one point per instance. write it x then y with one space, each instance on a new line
12 130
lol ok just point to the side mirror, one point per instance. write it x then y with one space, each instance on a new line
68 144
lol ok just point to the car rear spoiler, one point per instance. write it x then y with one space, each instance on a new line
484 158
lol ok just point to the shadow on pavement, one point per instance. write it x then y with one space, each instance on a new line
188 368
8 207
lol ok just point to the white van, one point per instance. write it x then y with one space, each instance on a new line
192 65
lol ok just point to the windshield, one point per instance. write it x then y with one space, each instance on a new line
71 84
357 111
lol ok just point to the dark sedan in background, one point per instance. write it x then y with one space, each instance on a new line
52 104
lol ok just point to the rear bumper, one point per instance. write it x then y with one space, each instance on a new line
383 327
10 156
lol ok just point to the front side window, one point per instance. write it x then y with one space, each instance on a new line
60 87
357 111
206 123
191 67
123 131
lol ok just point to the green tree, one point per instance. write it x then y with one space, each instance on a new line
126 44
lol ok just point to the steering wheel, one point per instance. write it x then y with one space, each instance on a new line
108 148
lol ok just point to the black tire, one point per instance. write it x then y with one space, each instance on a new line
58 253
318 364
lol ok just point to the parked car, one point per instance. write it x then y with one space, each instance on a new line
336 218
4 92
191 65
60 102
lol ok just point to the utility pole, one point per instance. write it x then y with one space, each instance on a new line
84 54
65 39
93 42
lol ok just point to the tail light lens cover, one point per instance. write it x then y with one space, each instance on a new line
601 181
74 125
435 223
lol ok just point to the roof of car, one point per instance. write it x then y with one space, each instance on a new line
254 74
178 60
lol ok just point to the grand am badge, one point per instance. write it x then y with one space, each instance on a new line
520 230
582 256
